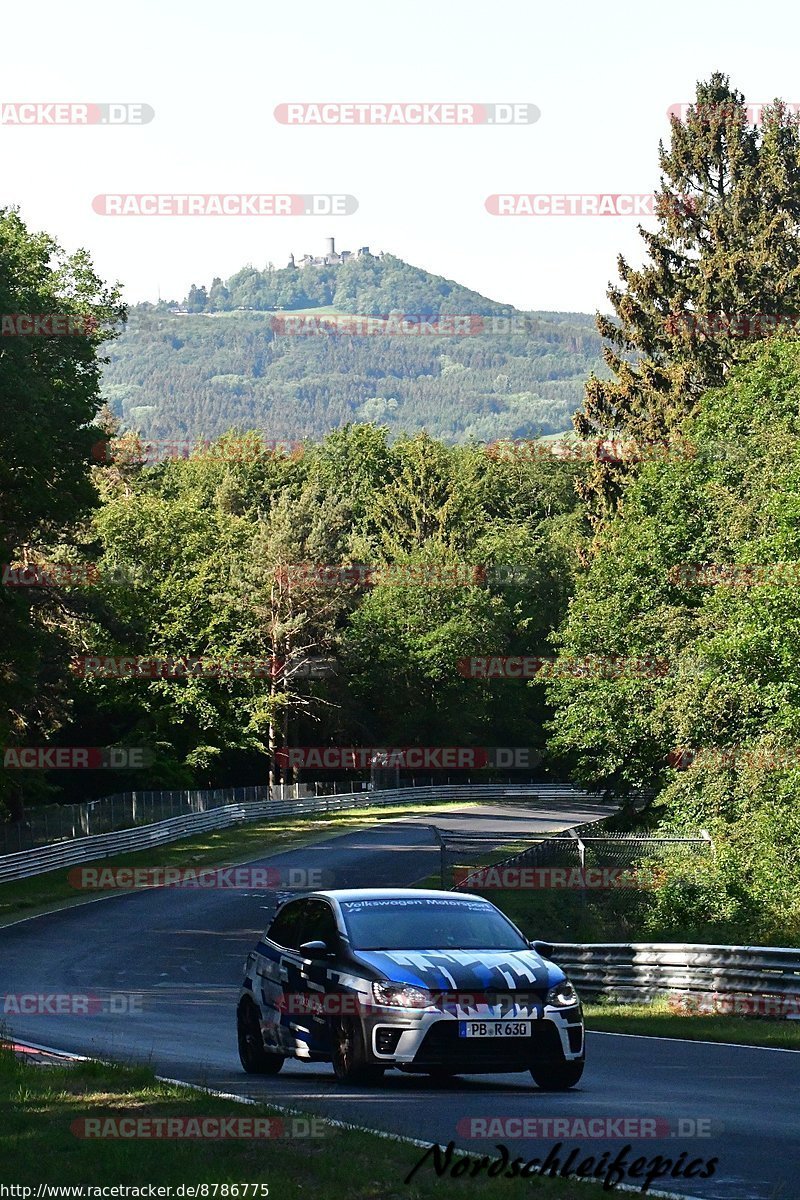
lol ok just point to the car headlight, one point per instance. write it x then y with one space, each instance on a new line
401 995
563 995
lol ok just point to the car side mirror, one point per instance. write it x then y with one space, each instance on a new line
314 950
543 948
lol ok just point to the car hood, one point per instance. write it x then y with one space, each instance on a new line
467 970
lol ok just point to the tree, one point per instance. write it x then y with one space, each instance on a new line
224 548
49 396
401 649
293 609
219 298
181 536
430 496
197 299
727 250
699 571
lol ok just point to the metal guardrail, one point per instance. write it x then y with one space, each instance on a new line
45 824
38 860
761 980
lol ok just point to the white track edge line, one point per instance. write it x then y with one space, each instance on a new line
656 1037
337 1124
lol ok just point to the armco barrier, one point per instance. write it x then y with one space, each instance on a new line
86 849
641 971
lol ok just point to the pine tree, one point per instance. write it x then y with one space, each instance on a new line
725 257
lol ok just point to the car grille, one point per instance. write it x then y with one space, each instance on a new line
575 1037
442 1047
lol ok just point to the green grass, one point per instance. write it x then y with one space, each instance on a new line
223 847
40 1103
565 915
560 914
490 858
657 1020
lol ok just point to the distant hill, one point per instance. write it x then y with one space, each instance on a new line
275 350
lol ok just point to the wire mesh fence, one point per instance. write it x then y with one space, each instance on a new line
576 886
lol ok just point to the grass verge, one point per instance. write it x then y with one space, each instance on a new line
38 1145
658 1020
222 847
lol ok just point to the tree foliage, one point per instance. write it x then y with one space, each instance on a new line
726 255
701 568
49 386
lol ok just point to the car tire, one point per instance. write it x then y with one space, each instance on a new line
557 1076
348 1054
255 1059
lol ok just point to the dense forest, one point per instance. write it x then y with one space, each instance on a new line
230 358
391 558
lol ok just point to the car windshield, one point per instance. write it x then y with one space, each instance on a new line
428 924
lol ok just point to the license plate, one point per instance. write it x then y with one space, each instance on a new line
483 1029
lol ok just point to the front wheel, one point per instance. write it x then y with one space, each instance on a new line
252 1055
557 1077
349 1056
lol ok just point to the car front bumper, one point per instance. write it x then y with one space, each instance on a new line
421 1039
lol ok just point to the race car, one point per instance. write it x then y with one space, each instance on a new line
424 981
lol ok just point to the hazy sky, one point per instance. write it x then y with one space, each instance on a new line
602 75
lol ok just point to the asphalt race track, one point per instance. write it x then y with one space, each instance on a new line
173 958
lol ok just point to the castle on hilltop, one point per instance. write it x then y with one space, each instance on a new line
332 258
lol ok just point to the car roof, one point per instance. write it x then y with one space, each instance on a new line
340 894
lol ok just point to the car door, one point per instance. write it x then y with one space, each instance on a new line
278 980
318 924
